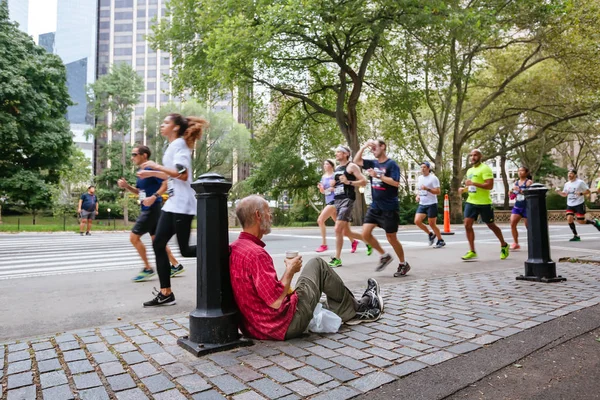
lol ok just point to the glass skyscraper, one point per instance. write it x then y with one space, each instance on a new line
75 44
18 11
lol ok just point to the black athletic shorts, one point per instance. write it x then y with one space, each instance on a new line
387 220
485 210
578 211
147 221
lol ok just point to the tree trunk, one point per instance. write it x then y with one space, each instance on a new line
504 179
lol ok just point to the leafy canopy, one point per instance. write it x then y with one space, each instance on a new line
35 141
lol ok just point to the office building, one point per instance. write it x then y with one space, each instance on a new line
18 11
75 44
46 40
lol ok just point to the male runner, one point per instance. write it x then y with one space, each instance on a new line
480 180
428 187
384 175
575 191
149 192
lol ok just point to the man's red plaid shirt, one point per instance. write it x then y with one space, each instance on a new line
256 286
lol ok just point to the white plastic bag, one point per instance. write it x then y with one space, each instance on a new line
324 321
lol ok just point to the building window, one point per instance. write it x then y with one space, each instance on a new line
140 37
165 61
164 98
141 13
141 25
104 25
152 12
105 14
151 60
104 3
123 27
151 86
122 51
127 39
103 36
140 49
124 15
139 111
151 98
164 86
151 73
123 3
140 61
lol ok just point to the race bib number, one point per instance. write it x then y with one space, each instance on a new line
520 197
170 187
339 190
142 195
328 191
472 189
423 193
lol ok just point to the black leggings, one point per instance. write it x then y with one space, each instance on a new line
170 224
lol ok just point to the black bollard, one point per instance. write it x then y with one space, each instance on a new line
214 322
539 266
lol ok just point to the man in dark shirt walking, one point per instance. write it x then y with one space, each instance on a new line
87 210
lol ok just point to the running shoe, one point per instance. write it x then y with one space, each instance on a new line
144 275
402 270
335 262
88 234
504 252
176 270
369 250
161 300
373 292
321 248
384 260
515 246
597 223
575 239
431 238
471 255
354 246
439 244
367 315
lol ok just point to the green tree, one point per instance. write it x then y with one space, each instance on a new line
480 69
35 141
112 99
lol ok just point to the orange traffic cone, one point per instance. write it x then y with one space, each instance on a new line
447 216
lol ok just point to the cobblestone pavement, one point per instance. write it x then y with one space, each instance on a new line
425 323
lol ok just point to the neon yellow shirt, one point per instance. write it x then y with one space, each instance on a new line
479 175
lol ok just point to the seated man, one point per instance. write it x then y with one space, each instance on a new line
269 310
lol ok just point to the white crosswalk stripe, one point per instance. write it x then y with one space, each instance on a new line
23 256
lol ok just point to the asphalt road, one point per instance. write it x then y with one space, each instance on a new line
57 282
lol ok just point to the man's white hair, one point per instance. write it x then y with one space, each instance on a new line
247 206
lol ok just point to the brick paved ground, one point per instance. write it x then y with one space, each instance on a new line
425 323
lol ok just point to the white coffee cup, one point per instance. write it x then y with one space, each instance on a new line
291 254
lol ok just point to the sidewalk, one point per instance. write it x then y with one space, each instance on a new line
426 322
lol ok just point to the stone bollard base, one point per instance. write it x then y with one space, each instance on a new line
201 349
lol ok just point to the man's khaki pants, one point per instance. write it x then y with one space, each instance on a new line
317 277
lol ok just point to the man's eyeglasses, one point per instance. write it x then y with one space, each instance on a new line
135 154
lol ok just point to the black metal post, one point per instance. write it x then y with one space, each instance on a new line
539 266
214 322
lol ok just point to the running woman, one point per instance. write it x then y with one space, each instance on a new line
428 187
328 211
575 189
177 214
519 210
346 177
383 212
148 219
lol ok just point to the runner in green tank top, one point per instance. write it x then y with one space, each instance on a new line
479 182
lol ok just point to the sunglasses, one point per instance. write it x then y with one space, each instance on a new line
135 154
